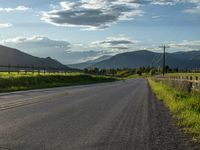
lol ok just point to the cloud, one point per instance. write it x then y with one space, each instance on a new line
61 50
37 41
18 8
194 10
5 25
83 56
92 14
186 45
116 44
164 2
155 17
101 14
40 46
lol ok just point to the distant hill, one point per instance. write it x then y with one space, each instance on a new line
143 58
10 56
87 64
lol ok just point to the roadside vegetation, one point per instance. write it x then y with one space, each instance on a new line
139 72
184 105
125 73
24 81
15 81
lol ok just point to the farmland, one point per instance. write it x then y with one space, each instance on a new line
15 81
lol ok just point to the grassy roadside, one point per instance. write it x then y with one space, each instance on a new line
29 81
184 106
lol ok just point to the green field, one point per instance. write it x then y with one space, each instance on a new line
35 74
25 81
185 106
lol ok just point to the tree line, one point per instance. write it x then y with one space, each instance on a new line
139 71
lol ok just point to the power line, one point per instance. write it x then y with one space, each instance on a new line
158 59
164 57
154 58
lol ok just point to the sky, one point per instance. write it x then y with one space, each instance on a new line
75 31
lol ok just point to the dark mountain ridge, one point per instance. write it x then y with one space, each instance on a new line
144 58
13 57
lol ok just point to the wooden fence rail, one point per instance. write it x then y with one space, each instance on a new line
188 83
33 69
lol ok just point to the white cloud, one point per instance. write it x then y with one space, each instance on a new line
41 46
164 2
5 25
186 45
194 10
40 42
92 14
101 14
18 8
155 17
115 44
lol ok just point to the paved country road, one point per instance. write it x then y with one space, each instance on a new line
120 115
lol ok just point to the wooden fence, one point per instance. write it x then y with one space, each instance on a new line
189 83
33 69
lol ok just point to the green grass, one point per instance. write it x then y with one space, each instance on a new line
35 74
22 81
184 106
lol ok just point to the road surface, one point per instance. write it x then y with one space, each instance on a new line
120 115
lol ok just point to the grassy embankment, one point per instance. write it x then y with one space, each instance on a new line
22 81
185 106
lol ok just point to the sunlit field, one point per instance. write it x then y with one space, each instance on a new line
15 81
35 74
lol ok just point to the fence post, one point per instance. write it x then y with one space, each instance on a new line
25 69
33 69
190 77
38 70
18 69
9 68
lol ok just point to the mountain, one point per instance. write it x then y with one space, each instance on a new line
144 58
13 57
87 64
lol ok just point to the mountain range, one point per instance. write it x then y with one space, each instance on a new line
13 57
144 58
134 59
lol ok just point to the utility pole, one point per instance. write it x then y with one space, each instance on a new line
164 58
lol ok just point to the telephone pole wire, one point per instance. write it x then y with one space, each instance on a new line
164 57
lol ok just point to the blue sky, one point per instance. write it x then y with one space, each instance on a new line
76 31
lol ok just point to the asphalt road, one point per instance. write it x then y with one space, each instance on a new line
111 116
